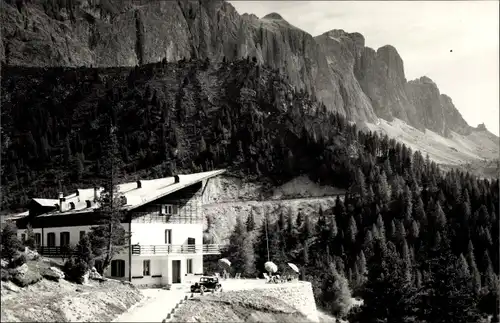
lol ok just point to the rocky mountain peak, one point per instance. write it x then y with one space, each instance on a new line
336 67
273 15
481 127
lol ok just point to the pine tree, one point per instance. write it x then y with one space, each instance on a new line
241 251
10 243
250 222
335 293
474 272
30 237
352 230
388 295
84 251
109 238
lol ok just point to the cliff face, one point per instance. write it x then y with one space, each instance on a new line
348 77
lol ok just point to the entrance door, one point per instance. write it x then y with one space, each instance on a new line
176 271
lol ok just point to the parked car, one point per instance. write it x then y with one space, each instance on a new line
206 283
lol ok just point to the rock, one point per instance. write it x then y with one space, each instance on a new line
53 273
21 270
31 254
93 274
85 278
58 271
4 263
10 287
26 277
335 67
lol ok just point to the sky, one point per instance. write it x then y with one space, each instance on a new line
423 32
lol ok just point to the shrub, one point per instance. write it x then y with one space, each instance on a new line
5 275
10 243
83 251
18 261
75 269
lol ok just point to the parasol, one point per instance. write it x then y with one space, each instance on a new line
224 263
271 267
294 267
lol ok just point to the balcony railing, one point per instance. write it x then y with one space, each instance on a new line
151 217
62 252
206 249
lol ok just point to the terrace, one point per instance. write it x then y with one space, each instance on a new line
206 249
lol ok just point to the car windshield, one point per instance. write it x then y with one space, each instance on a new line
204 280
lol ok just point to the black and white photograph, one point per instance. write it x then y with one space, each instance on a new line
249 161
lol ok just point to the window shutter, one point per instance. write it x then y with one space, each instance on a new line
175 209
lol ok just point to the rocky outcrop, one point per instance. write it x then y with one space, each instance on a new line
127 35
382 77
348 77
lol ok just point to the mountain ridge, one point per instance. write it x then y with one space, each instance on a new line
359 82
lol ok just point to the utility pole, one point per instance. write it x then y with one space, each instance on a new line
267 241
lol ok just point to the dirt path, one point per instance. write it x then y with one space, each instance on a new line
269 201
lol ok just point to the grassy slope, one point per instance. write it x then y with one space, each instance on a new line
49 301
470 153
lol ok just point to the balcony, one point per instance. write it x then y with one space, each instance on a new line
59 252
206 249
151 217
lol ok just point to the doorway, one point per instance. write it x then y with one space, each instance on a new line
176 271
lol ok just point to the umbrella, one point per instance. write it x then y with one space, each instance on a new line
224 262
271 267
294 267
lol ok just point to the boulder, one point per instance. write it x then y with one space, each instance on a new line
21 270
26 277
53 273
31 254
10 287
57 271
93 274
85 278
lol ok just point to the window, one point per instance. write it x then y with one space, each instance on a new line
38 239
64 239
168 236
23 237
146 267
82 233
189 266
51 239
169 209
118 268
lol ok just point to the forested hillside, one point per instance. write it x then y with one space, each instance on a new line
416 245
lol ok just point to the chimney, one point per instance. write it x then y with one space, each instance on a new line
139 184
176 179
61 200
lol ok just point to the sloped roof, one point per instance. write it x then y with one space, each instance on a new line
135 196
46 202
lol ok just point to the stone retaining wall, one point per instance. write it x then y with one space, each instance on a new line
297 294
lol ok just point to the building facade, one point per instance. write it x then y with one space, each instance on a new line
164 219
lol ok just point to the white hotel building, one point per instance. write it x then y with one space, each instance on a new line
163 216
